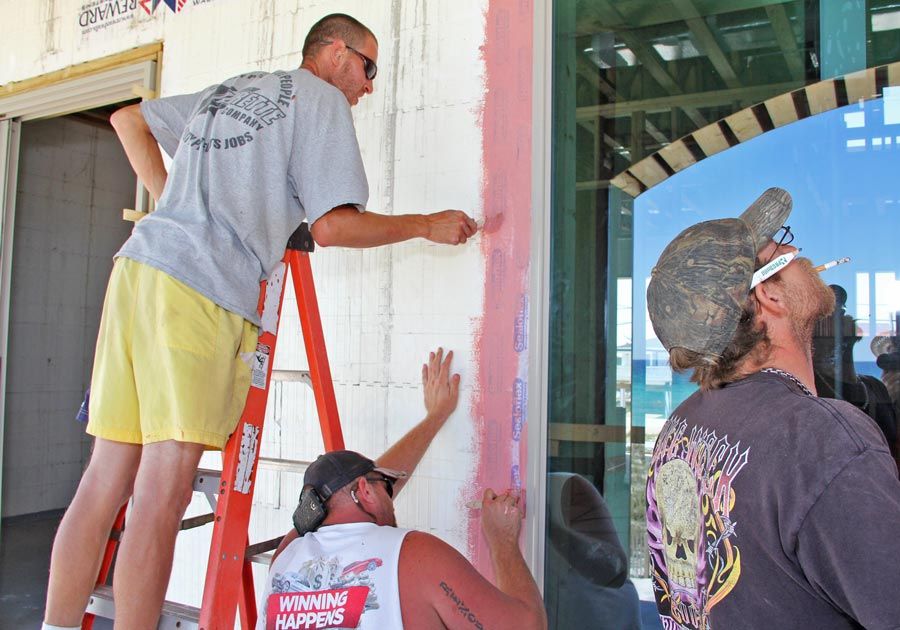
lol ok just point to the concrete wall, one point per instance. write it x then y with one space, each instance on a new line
425 135
73 182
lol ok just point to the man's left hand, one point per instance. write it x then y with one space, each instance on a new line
441 388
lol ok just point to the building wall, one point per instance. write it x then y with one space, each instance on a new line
73 182
425 135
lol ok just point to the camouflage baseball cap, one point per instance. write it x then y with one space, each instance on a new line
702 279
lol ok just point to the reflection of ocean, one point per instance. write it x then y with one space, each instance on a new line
656 391
868 367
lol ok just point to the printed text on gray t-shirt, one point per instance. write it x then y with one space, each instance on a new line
252 158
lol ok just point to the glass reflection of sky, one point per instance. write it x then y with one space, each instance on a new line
842 169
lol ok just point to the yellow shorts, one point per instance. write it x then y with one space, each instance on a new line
168 364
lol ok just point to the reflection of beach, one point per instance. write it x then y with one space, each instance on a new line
655 392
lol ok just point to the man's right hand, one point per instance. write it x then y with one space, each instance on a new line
440 387
501 518
450 227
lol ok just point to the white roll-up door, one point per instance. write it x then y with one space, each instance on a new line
9 162
87 92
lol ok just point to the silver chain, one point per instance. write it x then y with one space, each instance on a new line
790 377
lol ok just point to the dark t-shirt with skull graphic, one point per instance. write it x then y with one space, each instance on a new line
770 508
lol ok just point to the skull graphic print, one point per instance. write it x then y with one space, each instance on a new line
694 560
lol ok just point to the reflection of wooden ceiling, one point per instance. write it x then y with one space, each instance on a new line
650 71
630 14
753 121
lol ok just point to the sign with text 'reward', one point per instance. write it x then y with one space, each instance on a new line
337 608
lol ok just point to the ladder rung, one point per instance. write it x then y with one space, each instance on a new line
264 558
187 523
258 552
284 465
207 480
197 521
292 376
174 616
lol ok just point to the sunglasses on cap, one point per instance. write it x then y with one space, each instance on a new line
782 237
774 264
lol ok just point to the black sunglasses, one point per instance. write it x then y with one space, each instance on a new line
369 66
388 484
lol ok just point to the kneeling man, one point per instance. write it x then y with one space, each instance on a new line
346 564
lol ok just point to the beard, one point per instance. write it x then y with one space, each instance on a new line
814 300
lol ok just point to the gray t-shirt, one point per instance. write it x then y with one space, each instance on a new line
252 158
770 508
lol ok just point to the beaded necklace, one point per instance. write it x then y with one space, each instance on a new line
790 377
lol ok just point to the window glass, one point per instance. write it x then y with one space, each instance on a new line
630 78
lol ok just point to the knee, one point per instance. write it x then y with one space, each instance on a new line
165 503
104 489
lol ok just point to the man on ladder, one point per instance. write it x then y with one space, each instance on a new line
252 158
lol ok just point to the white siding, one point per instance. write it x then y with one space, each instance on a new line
382 309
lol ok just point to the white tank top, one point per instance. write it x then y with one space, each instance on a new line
340 576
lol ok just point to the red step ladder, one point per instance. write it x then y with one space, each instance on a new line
229 577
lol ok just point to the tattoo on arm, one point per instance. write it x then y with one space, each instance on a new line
461 607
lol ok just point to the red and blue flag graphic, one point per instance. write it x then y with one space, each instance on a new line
150 5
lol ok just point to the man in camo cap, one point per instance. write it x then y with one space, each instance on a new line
761 497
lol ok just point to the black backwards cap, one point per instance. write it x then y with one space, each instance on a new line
335 469
325 476
702 279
